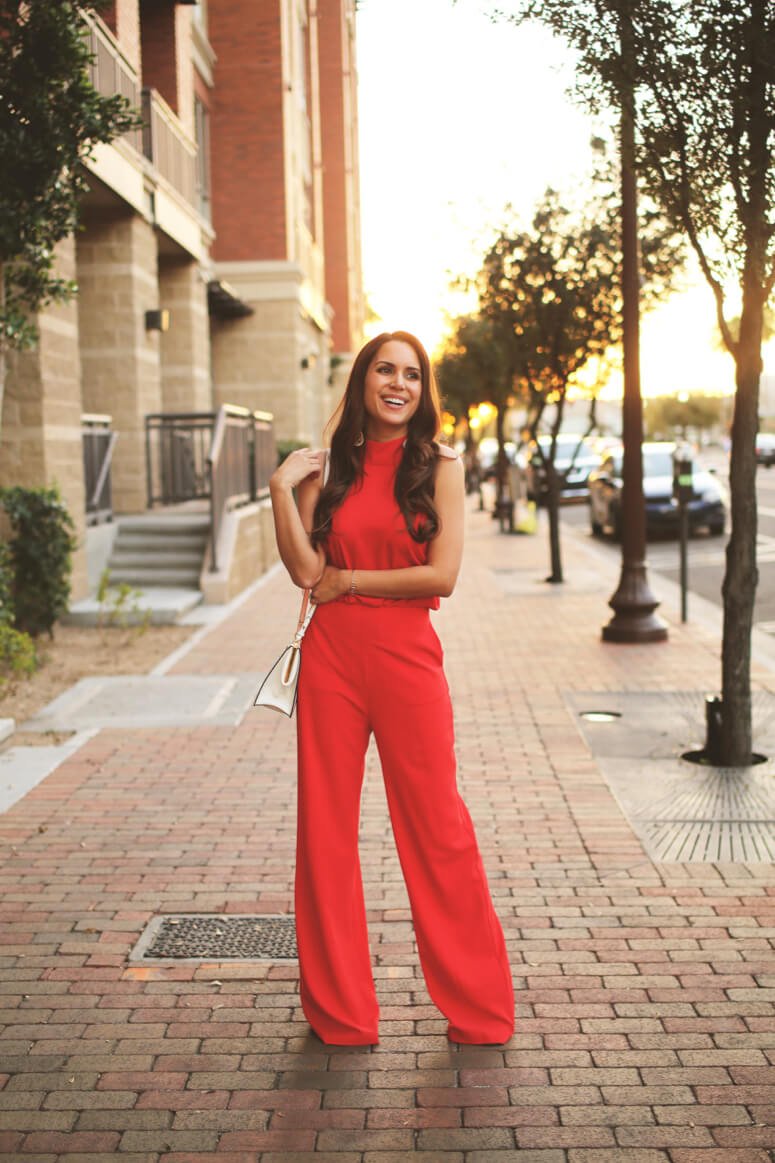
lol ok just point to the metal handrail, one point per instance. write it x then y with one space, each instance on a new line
226 457
98 446
176 449
231 466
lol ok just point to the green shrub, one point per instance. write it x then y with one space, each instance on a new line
18 658
120 606
41 546
286 447
6 586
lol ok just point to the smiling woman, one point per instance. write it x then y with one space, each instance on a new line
392 390
388 523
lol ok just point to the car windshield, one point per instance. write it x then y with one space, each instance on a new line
566 447
657 464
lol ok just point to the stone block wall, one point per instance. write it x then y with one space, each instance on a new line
185 348
246 550
40 436
121 361
275 360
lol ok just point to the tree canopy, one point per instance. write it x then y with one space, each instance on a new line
702 77
51 117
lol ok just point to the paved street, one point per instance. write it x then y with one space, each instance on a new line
645 991
706 554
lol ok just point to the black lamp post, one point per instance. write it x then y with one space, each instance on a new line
633 603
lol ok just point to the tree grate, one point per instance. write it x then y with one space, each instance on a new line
200 937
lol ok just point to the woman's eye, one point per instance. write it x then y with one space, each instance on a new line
413 375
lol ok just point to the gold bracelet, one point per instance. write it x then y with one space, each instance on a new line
353 589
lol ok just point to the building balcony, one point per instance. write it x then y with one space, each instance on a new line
153 168
168 147
110 72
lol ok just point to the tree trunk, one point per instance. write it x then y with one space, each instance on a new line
742 575
553 495
500 464
2 343
553 509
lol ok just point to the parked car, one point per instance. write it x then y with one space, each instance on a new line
707 507
574 459
487 451
765 448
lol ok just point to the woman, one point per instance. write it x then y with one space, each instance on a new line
378 544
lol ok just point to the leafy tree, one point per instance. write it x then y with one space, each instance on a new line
671 414
478 366
557 287
51 117
703 74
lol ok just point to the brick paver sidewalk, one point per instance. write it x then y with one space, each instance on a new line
646 1023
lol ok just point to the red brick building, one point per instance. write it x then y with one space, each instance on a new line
233 212
285 200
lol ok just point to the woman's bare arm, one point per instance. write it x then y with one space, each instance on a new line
301 470
438 577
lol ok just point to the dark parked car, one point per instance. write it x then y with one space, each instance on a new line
765 448
707 506
574 458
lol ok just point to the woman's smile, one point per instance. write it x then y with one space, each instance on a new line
392 390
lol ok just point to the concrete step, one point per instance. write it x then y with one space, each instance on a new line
163 558
163 604
148 576
138 542
166 526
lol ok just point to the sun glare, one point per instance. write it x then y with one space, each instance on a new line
490 128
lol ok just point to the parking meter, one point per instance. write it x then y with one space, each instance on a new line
682 491
682 478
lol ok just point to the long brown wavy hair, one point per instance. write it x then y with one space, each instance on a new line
415 477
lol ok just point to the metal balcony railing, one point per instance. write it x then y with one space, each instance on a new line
109 71
98 442
167 145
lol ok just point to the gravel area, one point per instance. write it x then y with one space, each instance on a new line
77 652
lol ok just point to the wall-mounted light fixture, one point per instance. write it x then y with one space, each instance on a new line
157 320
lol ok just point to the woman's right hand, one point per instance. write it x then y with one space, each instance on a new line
297 466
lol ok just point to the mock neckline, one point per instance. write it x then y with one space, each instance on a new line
384 451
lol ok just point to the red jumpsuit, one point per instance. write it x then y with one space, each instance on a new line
375 664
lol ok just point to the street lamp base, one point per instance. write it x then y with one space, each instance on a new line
634 604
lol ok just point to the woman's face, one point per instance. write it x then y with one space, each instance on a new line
392 390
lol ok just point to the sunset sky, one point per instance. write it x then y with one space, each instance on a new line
459 117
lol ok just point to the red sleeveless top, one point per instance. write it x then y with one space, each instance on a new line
368 530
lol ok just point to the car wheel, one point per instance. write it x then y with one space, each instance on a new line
716 530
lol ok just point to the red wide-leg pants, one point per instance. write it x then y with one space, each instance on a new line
380 668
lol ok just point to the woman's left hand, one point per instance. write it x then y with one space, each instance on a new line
332 584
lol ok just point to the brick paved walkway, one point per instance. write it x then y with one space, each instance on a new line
645 994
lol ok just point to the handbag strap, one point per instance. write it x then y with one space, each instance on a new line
305 616
306 612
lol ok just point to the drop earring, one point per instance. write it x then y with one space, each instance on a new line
358 440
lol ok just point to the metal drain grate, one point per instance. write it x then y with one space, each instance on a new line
713 840
199 937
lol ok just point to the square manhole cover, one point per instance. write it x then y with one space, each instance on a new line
203 937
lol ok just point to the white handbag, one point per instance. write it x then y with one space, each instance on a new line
279 688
